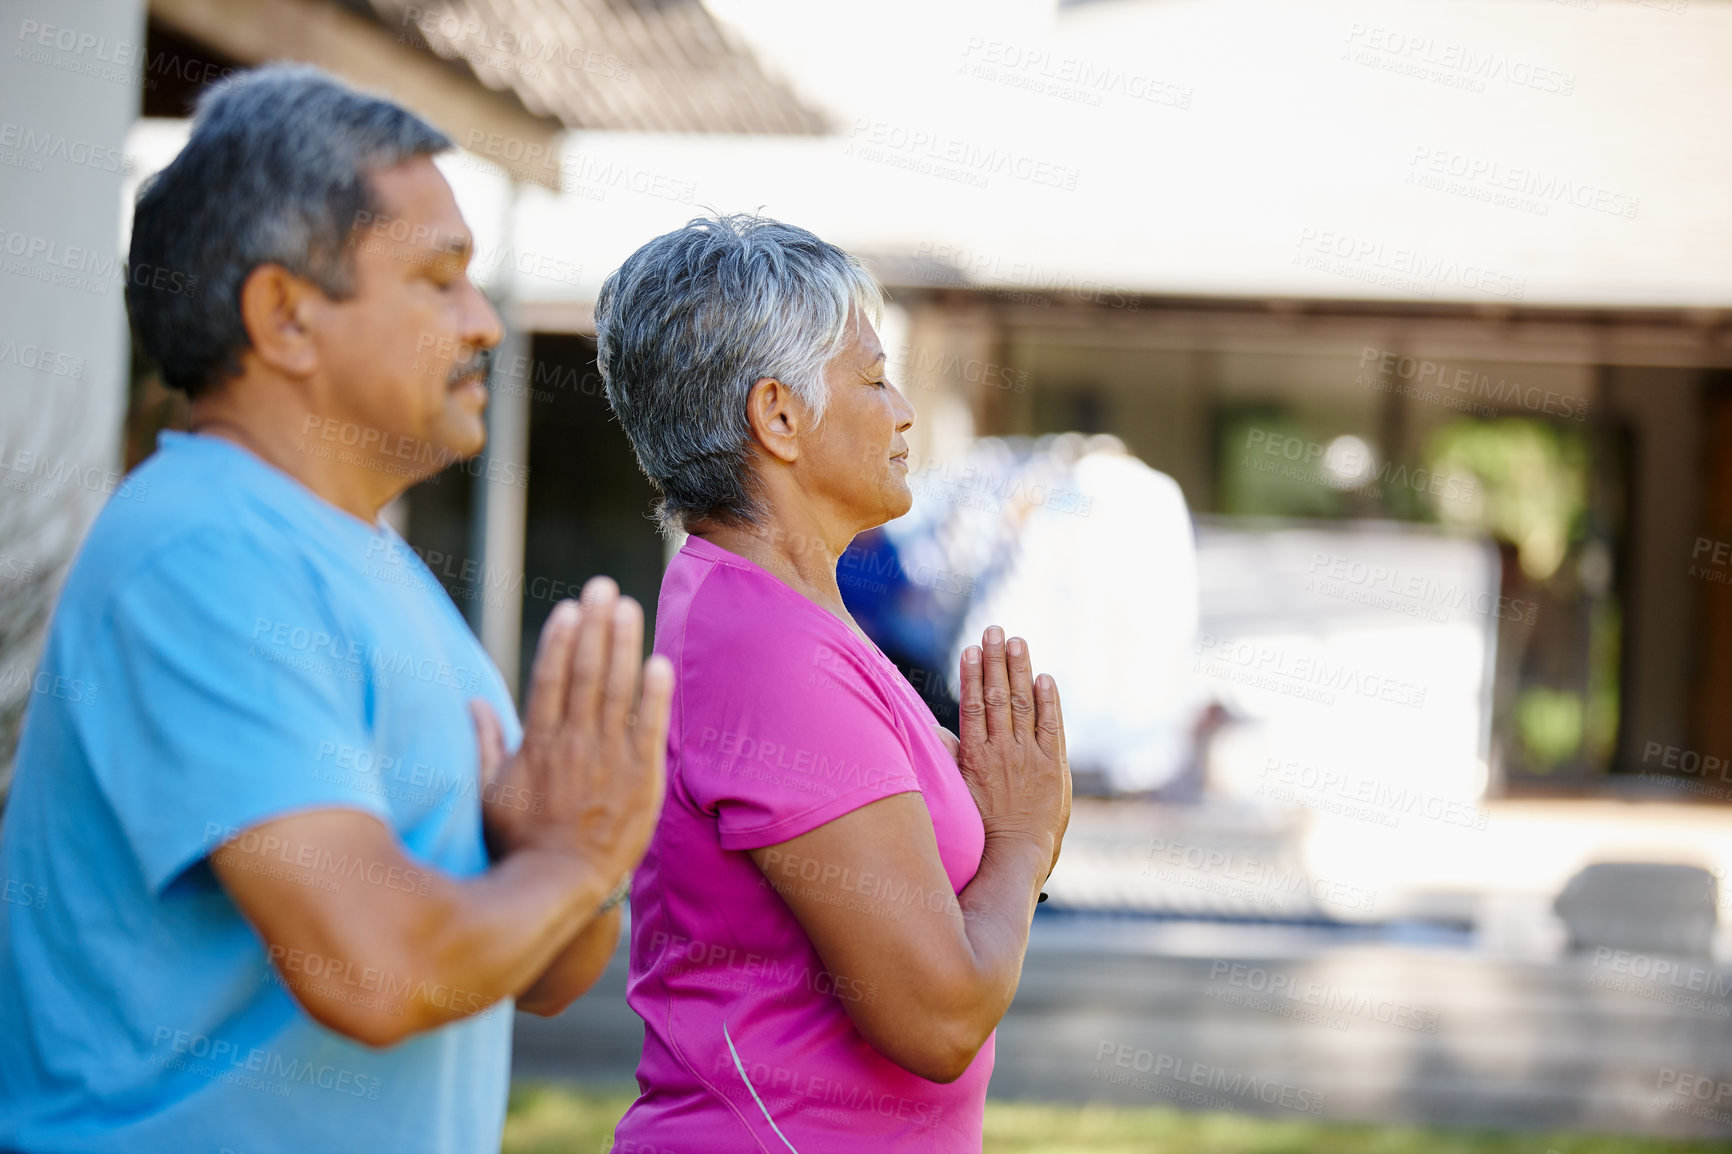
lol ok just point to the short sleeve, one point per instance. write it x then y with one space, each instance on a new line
782 728
230 682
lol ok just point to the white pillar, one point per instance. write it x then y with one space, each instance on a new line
63 386
501 509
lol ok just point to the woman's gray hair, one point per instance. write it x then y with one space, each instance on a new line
274 172
692 320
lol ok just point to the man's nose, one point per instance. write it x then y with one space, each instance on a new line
482 327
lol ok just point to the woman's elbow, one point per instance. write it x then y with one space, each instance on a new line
940 1060
933 1048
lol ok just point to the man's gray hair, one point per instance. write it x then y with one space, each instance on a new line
692 320
275 172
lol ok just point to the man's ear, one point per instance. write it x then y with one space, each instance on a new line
777 416
277 308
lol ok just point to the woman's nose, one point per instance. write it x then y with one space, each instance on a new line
904 412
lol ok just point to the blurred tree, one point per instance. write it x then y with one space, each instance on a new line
1557 710
1532 484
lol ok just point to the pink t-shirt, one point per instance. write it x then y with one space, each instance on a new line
783 719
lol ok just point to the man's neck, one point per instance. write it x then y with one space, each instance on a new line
277 439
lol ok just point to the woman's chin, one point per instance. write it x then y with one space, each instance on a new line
901 500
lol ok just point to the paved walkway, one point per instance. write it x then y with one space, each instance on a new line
1236 983
1287 863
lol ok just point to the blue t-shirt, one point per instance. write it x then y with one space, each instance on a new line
229 649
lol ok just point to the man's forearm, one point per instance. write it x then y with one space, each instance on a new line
430 955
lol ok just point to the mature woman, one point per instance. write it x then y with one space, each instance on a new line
832 915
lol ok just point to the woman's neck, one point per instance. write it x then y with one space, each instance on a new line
804 561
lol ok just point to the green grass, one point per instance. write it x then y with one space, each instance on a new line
556 1120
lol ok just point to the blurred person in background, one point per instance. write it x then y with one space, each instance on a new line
831 919
903 615
1083 524
296 861
1044 532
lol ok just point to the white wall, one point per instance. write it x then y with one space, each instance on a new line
1489 151
69 89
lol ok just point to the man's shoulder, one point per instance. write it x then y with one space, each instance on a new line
198 528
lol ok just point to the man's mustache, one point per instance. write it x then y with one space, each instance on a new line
479 362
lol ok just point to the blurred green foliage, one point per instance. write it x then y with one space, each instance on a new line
556 1120
1532 484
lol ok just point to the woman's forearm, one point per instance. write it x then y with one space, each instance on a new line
503 931
997 909
575 970
870 890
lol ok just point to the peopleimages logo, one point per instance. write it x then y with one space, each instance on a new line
1325 996
41 359
42 258
352 656
1347 464
1458 65
850 1100
511 49
1298 673
1525 187
683 955
1412 593
1438 377
1069 78
36 145
1246 878
938 153
316 859
21 678
1369 798
753 755
42 476
1234 1083
1399 266
221 1059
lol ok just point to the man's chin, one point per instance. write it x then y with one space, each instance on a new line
465 432
454 444
468 447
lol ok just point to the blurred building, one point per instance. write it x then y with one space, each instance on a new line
1323 264
98 97
1418 267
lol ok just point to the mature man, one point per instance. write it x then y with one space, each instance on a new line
285 880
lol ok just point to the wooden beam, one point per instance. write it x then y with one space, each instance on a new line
369 56
576 318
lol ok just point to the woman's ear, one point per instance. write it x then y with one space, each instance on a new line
777 416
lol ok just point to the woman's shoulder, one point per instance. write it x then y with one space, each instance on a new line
733 609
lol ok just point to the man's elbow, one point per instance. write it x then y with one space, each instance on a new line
377 1022
374 1028
547 1007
